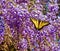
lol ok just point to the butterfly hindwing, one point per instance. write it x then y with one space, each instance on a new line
42 24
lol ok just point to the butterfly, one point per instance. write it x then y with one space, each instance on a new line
39 24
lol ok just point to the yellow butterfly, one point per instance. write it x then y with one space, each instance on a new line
38 23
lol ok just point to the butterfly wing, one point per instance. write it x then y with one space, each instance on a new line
35 22
42 24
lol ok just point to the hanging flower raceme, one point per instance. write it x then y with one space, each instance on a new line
1 28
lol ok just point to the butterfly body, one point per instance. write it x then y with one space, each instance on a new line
39 24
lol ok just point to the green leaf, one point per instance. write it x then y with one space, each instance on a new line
12 48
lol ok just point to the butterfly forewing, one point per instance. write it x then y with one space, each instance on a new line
35 22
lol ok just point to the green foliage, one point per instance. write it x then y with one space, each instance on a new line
12 48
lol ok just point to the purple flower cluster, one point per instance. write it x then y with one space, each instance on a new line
18 19
2 28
